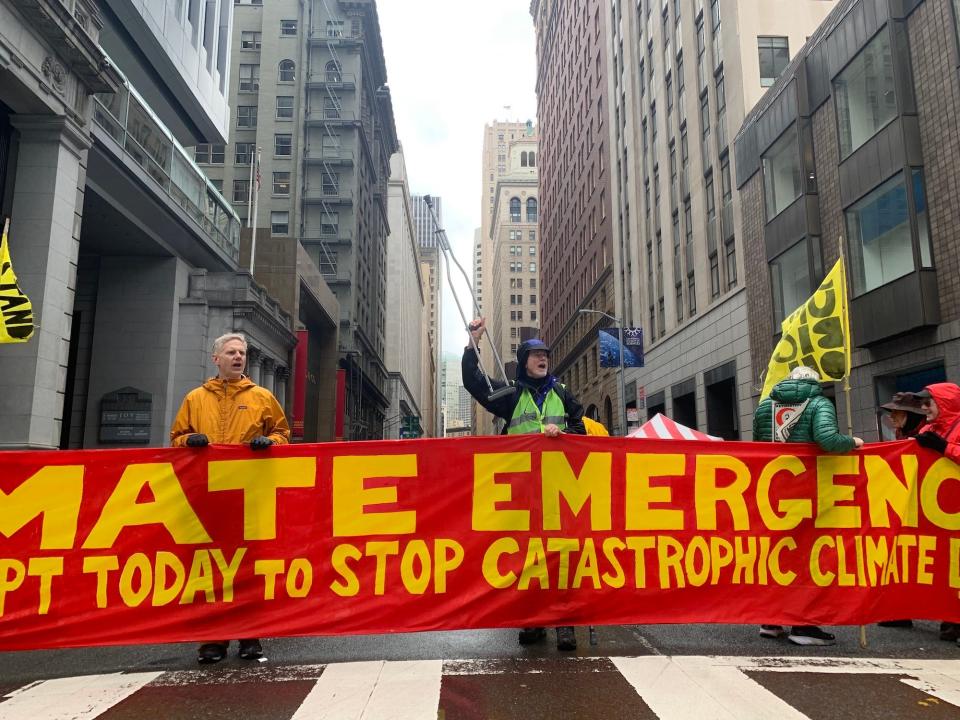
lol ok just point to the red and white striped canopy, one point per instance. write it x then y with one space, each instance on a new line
663 428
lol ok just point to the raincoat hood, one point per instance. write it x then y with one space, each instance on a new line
795 391
947 397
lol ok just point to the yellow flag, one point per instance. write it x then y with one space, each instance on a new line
16 312
815 334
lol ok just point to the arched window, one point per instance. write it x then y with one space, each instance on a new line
515 209
531 209
333 72
523 159
287 71
533 159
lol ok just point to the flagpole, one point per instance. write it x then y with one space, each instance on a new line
256 204
250 195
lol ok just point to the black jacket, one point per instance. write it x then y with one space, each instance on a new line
503 407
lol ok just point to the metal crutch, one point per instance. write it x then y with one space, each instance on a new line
444 244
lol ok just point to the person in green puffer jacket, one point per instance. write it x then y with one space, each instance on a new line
804 415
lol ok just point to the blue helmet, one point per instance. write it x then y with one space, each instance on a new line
527 346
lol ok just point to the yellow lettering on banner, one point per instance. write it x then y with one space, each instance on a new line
136 580
611 546
12 573
169 507
259 480
670 557
164 593
640 546
927 546
381 550
641 468
845 578
55 493
593 484
823 579
449 556
199 579
299 578
791 511
708 494
829 493
534 566
941 471
351 496
416 583
491 560
955 563
721 555
102 565
886 491
698 553
45 568
745 560
269 569
487 492
904 543
878 555
228 569
776 571
564 546
587 567
348 585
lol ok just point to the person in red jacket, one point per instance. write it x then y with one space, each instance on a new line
940 403
230 409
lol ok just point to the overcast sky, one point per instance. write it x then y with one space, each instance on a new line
452 67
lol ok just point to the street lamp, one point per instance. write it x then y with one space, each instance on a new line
623 392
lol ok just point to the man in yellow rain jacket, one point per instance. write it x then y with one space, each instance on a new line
230 409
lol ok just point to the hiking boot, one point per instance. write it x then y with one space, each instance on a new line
212 652
950 632
566 638
810 635
775 632
531 635
250 649
896 623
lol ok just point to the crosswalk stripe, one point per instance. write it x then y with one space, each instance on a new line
693 688
399 690
72 698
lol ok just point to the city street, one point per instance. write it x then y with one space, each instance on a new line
667 672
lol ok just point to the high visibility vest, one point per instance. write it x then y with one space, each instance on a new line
528 418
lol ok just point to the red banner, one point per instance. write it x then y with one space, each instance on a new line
132 546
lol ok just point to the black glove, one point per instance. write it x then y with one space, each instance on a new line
930 439
197 440
260 443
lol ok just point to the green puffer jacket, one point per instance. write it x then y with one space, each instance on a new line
817 424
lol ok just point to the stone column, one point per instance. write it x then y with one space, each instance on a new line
253 364
280 383
266 374
44 244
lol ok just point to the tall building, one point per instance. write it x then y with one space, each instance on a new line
309 89
129 253
683 76
576 237
456 399
859 140
432 256
406 311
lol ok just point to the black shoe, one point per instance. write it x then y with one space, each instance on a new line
810 635
531 635
896 623
950 632
250 649
774 632
566 638
211 652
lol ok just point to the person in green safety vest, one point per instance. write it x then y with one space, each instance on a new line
539 404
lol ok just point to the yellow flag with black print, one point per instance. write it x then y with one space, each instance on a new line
815 334
16 312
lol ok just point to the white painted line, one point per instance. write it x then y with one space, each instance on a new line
694 688
937 685
73 698
408 690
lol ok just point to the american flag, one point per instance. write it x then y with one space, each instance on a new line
258 172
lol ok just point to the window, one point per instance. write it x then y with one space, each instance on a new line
790 281
283 145
246 116
288 27
249 78
334 28
249 40
533 283
329 223
212 154
284 107
281 183
714 276
279 223
865 94
531 209
533 267
241 191
287 71
730 252
330 183
331 107
514 209
532 235
533 299
333 72
782 181
774 57
878 227
533 250
533 314
243 153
